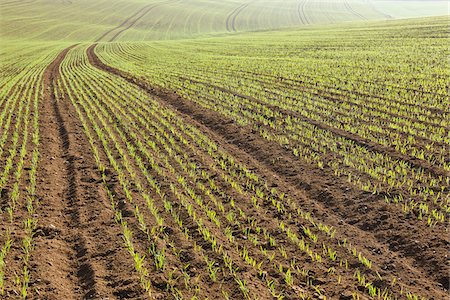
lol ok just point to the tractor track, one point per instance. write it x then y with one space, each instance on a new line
149 6
365 216
119 26
78 251
301 12
145 11
130 21
358 140
231 18
353 12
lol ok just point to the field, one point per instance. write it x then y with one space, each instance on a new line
251 150
141 20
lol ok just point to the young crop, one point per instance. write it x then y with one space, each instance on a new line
196 196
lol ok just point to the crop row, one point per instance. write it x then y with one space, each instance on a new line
387 138
19 158
176 179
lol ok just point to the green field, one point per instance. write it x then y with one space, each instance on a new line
232 149
84 20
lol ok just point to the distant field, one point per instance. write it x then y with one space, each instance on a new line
115 20
224 150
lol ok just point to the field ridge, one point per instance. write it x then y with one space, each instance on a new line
338 199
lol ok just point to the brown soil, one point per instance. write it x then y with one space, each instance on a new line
369 145
79 252
398 244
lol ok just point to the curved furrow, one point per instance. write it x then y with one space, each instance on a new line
231 18
244 139
143 12
126 21
348 6
358 140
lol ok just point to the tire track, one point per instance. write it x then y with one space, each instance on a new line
333 96
59 190
131 24
78 252
171 226
413 162
353 12
85 273
411 252
385 15
122 24
300 82
138 16
301 12
231 18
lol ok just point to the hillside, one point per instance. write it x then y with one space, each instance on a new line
224 150
120 20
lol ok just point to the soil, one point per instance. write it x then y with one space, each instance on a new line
397 243
79 252
79 249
